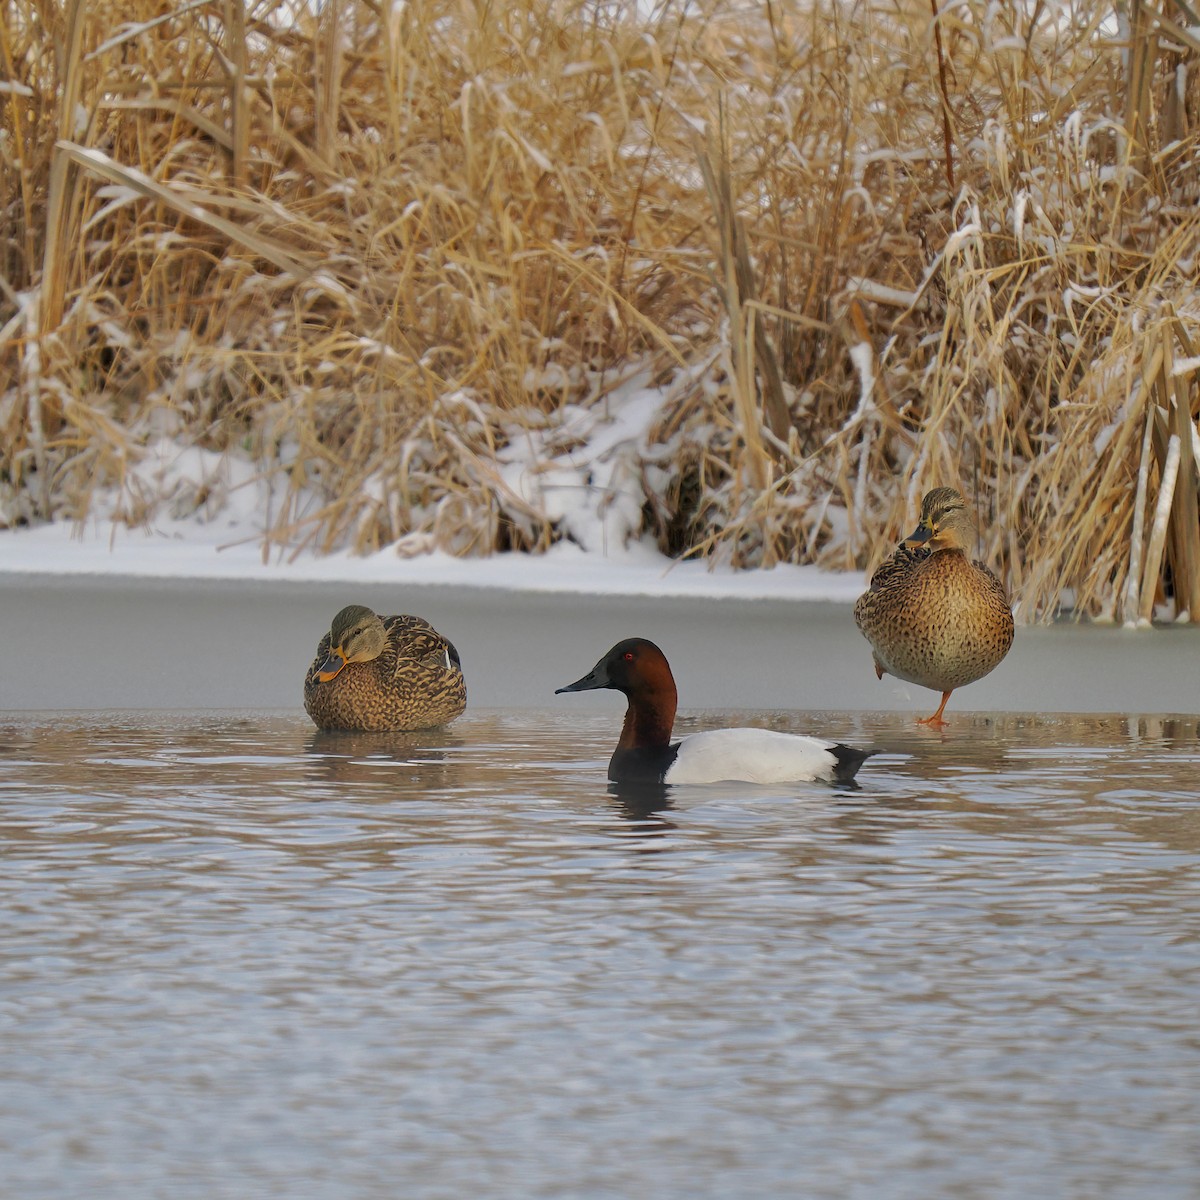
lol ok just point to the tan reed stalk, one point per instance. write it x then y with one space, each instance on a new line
380 253
1185 519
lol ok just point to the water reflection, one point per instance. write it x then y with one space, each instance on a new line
640 801
975 971
351 757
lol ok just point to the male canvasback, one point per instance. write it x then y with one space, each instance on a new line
646 755
932 616
383 674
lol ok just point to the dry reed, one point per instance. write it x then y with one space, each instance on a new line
371 251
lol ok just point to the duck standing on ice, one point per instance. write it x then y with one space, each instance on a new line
932 616
646 755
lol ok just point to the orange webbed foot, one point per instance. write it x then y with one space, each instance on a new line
936 722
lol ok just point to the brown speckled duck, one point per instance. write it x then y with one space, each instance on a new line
380 674
932 615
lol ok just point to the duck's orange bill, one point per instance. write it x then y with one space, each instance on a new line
330 667
922 534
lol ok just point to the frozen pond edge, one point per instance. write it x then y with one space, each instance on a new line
95 641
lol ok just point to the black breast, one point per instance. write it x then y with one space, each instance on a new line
642 764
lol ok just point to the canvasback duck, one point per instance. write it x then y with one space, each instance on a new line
646 755
932 616
378 674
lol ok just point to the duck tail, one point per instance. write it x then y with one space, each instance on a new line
849 759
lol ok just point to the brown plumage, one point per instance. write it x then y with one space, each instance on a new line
932 615
381 674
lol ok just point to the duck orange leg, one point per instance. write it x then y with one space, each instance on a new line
936 720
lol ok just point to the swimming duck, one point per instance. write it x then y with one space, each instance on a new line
932 616
646 755
381 674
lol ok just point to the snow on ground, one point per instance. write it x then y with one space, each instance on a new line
204 516
191 550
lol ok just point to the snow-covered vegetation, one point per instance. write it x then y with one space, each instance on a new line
743 279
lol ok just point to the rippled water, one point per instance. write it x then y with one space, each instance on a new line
240 959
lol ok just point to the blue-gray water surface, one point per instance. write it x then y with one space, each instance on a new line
240 959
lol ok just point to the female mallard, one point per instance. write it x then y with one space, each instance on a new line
380 674
932 616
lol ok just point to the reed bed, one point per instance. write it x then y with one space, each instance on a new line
401 263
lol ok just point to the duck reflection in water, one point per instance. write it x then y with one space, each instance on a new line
642 801
343 756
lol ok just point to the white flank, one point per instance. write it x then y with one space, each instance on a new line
750 756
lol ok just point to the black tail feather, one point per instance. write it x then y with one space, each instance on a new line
849 759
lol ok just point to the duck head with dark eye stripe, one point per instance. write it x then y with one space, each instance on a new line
946 523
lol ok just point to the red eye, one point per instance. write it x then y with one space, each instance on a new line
628 656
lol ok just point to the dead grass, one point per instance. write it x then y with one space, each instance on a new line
366 250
